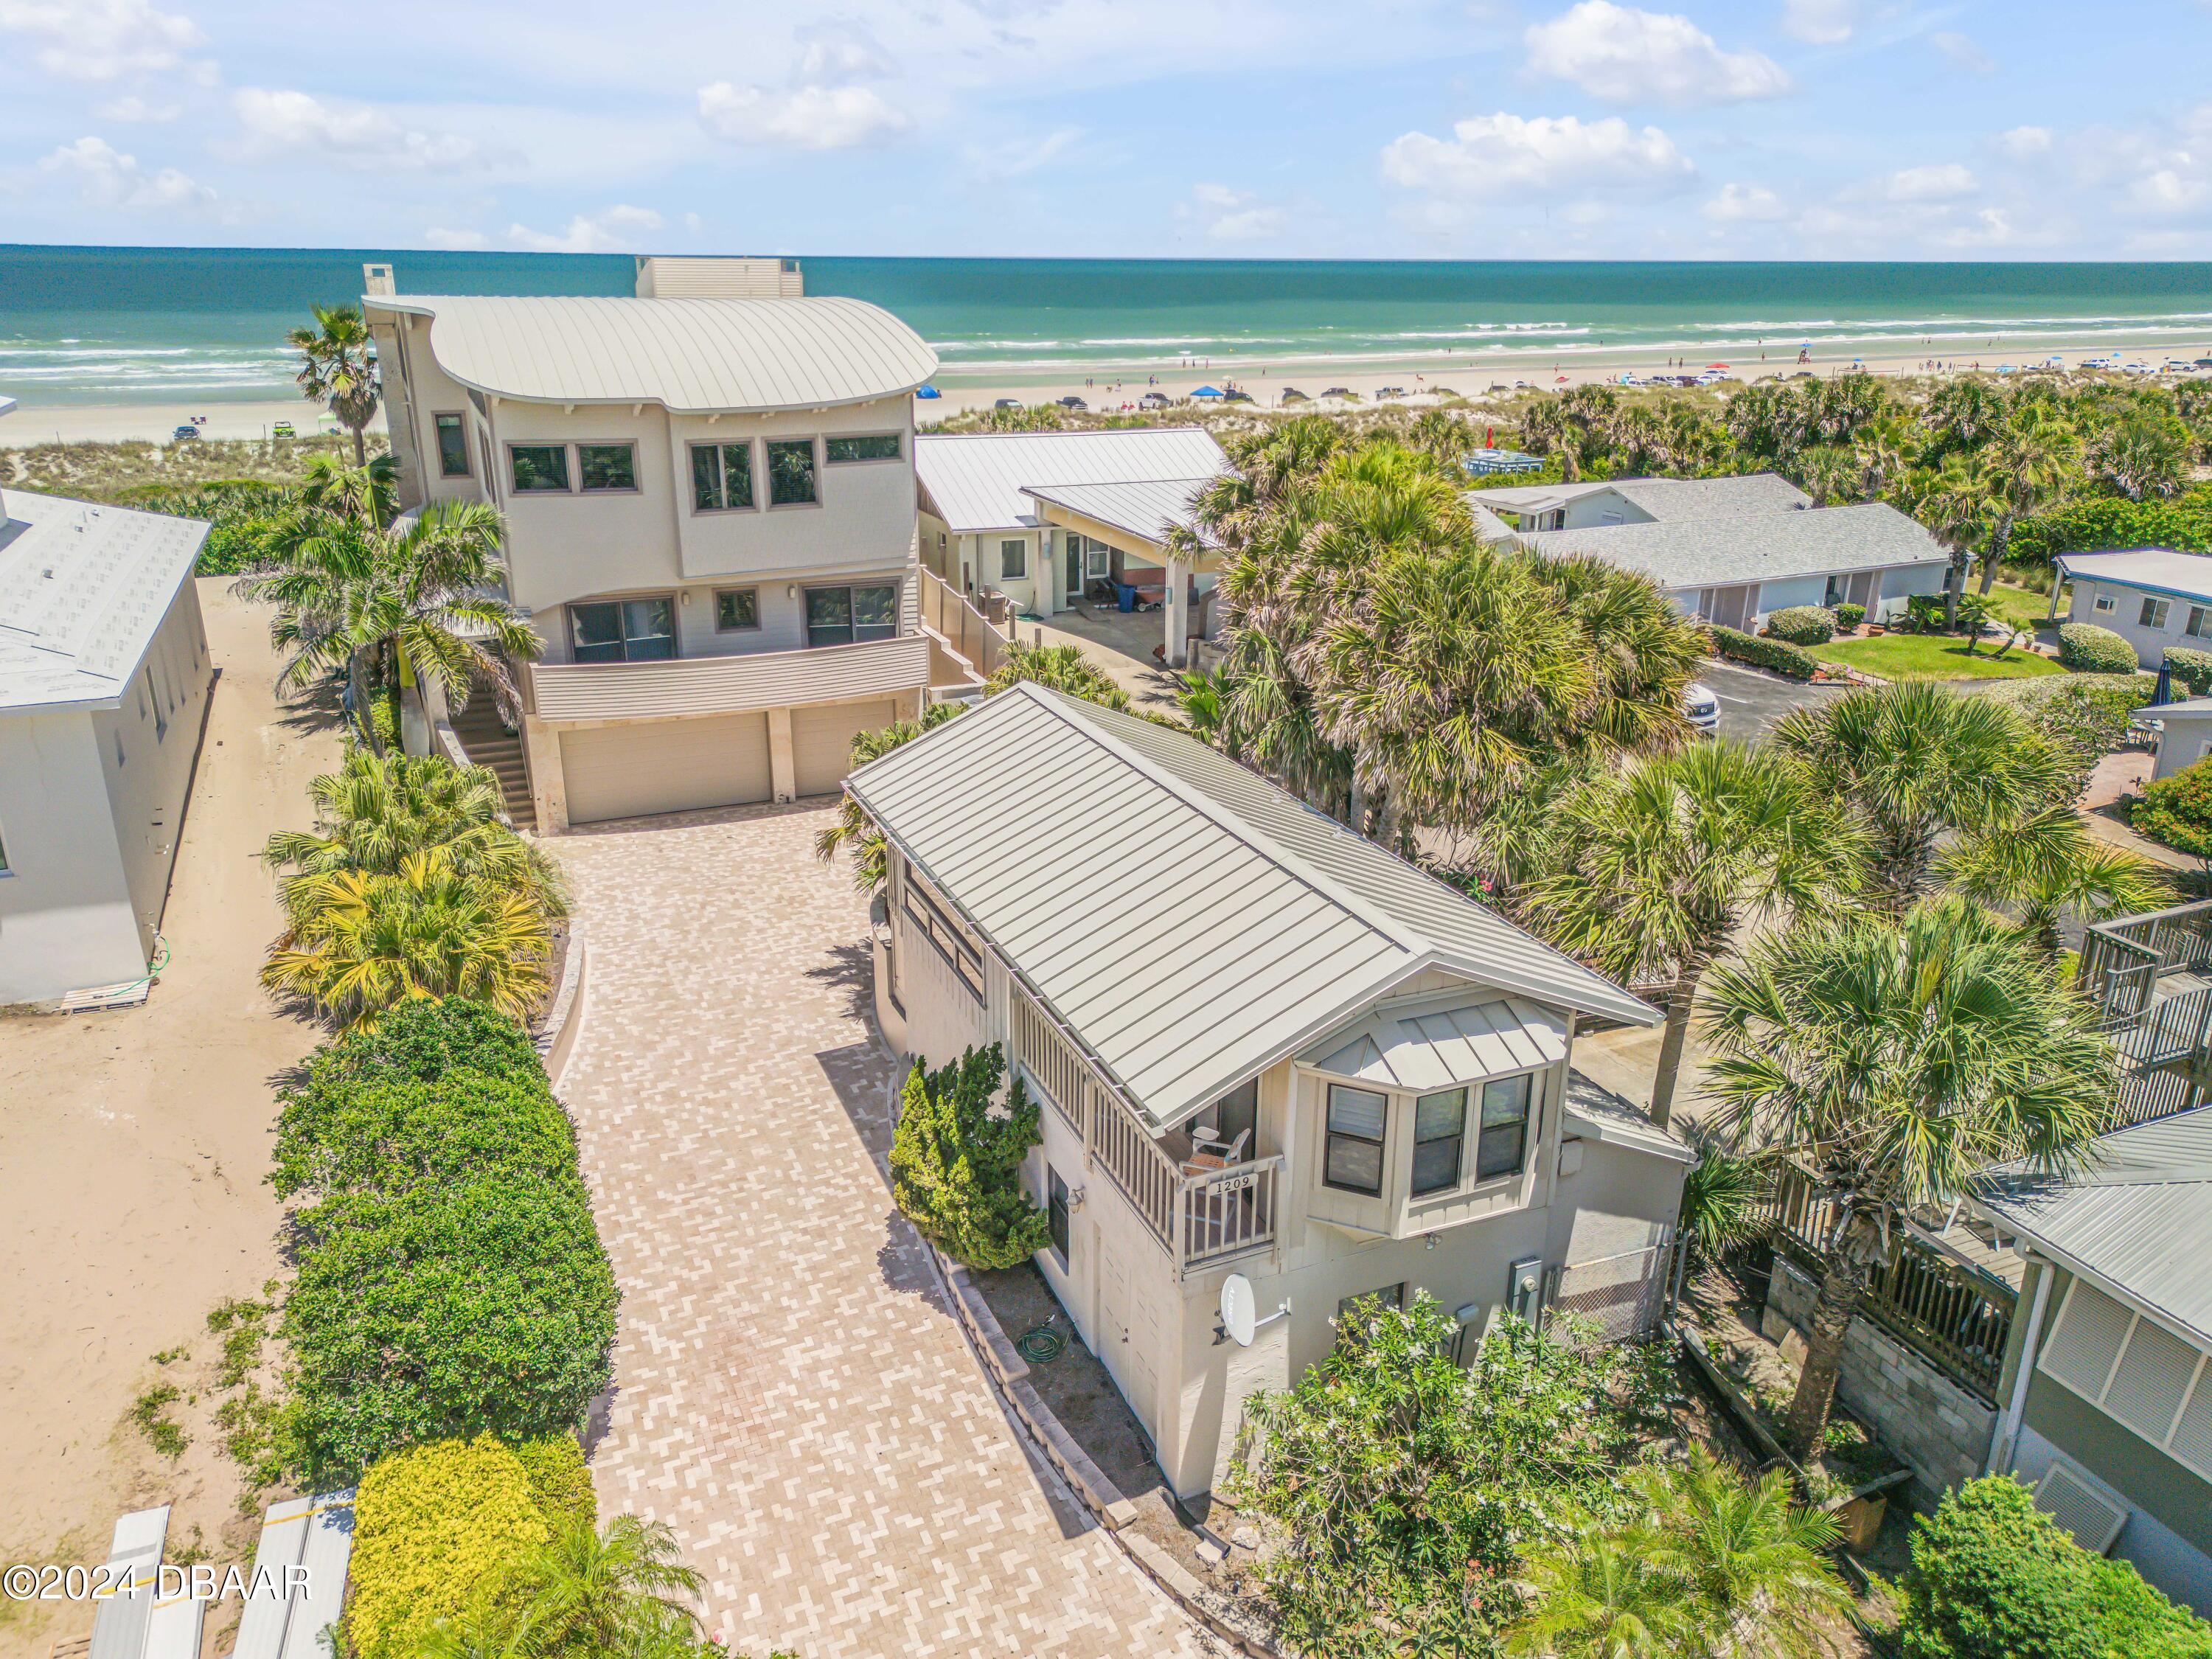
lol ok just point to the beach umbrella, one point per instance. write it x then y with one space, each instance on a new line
1206 392
927 392
1716 365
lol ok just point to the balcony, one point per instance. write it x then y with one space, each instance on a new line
2150 977
728 684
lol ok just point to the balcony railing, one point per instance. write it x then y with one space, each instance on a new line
2123 960
966 631
728 684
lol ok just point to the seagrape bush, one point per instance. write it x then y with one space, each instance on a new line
2177 811
2093 650
1803 624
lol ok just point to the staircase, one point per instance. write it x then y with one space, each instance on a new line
490 744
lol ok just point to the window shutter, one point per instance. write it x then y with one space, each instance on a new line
2192 1435
2090 1328
2154 1374
2083 1508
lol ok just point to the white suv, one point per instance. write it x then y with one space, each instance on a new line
1702 709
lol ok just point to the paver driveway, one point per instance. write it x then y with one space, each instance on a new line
791 1395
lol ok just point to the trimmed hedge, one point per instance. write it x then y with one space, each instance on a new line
2177 811
1783 658
2094 650
1993 1577
2083 716
559 1484
1848 617
2192 668
435 1528
387 1138
1803 624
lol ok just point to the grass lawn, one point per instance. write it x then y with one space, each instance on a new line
1932 656
2023 607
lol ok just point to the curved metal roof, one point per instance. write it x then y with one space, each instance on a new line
694 356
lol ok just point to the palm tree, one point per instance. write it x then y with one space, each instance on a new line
1754 1563
488 1628
1545 430
338 369
366 495
1598 1593
1661 865
2142 455
1917 761
1442 435
2050 869
1956 506
1892 1060
599 1590
1962 413
1203 696
1058 668
2030 464
854 829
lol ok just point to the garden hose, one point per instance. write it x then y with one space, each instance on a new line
1041 1344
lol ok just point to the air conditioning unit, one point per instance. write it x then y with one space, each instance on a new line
1524 1287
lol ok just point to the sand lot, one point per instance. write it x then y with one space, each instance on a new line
132 1148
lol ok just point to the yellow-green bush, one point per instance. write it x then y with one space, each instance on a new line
435 1527
558 1481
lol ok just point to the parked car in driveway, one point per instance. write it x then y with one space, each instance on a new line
1701 706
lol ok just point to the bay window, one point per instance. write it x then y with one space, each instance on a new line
1353 1158
1504 1137
1439 1137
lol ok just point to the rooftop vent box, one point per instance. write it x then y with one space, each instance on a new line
661 277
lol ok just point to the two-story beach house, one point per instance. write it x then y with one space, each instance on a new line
710 497
1266 1046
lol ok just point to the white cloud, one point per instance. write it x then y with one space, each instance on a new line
1492 156
110 178
1011 158
1822 23
1962 50
1738 203
616 230
278 123
2027 143
832 53
134 111
1944 181
101 40
799 118
1626 56
1233 215
438 236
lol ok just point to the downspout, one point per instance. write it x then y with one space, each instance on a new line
2008 1430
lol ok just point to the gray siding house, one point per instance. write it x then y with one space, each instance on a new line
2151 597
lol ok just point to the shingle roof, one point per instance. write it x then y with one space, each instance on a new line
1747 547
974 480
694 356
82 587
1239 923
1679 498
1144 510
2139 1219
2188 575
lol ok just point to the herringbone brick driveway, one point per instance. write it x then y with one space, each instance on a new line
791 1396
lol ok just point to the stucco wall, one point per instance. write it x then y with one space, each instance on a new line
66 921
2186 739
2125 618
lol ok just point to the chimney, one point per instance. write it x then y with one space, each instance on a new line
376 282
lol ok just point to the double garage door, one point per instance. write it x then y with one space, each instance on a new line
719 760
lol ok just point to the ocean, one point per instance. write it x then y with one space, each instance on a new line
83 325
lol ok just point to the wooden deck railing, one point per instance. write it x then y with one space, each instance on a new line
965 630
1952 1315
2123 960
1199 1219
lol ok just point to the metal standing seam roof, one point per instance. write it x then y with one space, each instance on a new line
2185 576
1437 1044
2138 1221
1240 925
974 480
732 684
694 356
1144 509
1745 547
82 589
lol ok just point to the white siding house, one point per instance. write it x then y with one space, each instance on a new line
2151 597
1266 1046
716 470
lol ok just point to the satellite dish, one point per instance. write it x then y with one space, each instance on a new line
1239 1310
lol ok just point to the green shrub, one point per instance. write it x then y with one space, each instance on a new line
1783 658
955 1162
435 1528
1848 617
2095 650
559 1484
1924 614
2178 809
1993 1577
425 1041
2084 716
2093 522
2192 668
1803 624
241 513
384 1138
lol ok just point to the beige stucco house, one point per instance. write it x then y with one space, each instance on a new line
105 676
1268 1047
708 491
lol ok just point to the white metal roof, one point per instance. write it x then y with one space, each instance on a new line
82 587
2186 575
1438 1044
1143 510
1225 925
730 684
1595 1111
974 480
694 356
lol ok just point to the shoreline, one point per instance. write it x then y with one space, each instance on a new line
1112 388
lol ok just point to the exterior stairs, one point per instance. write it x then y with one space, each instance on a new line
490 744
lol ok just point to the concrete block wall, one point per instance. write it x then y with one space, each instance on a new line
1939 1428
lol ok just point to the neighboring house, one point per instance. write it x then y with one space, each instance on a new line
103 683
2151 597
1266 1046
2184 736
2107 1390
1040 516
708 493
1730 550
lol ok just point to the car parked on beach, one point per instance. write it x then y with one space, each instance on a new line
1007 403
1153 400
187 433
1073 402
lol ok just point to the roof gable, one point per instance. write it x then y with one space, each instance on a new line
975 481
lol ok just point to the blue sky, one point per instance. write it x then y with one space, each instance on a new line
1818 129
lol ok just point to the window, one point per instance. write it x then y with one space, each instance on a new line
602 467
539 467
1353 1157
453 446
2154 613
2106 604
1505 1126
2200 622
721 477
1055 1210
1439 1134
961 953
1013 560
736 608
844 616
874 447
624 630
790 472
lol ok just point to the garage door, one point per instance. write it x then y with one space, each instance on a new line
664 766
822 741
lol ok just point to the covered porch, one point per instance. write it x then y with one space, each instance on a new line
1135 525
